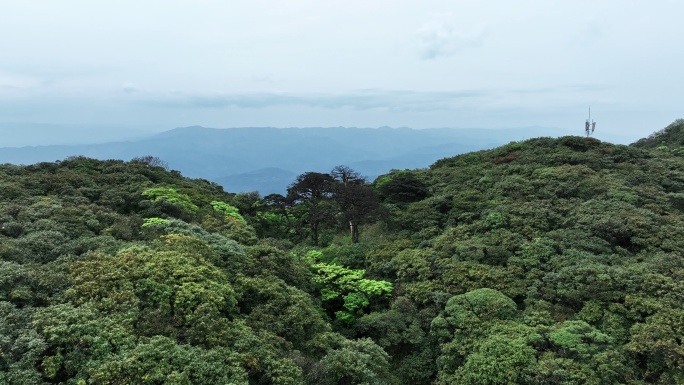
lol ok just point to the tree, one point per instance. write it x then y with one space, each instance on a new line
161 360
152 161
311 189
276 218
177 203
499 360
348 288
355 362
401 187
346 175
354 197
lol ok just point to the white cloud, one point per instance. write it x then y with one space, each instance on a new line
130 88
439 39
387 100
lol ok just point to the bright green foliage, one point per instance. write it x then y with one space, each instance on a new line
228 211
154 222
355 291
495 220
171 196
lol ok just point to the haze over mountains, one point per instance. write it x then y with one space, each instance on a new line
14 134
267 159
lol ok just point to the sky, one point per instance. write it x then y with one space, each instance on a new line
123 67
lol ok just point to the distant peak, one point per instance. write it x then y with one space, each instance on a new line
183 130
191 128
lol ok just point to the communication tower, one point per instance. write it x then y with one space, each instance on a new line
589 125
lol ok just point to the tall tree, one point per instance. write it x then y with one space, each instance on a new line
311 189
276 218
347 176
355 198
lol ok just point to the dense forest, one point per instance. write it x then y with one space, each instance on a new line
546 261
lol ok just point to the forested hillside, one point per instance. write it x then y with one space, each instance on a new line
548 261
670 138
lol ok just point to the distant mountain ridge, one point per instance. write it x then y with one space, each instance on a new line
264 159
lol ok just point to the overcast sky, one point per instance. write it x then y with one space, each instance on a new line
160 64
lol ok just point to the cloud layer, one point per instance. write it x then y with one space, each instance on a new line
360 100
428 63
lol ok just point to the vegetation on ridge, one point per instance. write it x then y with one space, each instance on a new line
544 261
669 138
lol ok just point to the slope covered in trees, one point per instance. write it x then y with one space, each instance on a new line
548 261
671 136
117 272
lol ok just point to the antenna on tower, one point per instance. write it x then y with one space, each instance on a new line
589 125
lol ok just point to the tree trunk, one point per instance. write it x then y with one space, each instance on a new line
314 233
354 229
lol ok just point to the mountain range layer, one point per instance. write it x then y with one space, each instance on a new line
267 159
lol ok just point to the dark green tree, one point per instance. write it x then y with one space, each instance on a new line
354 197
312 190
